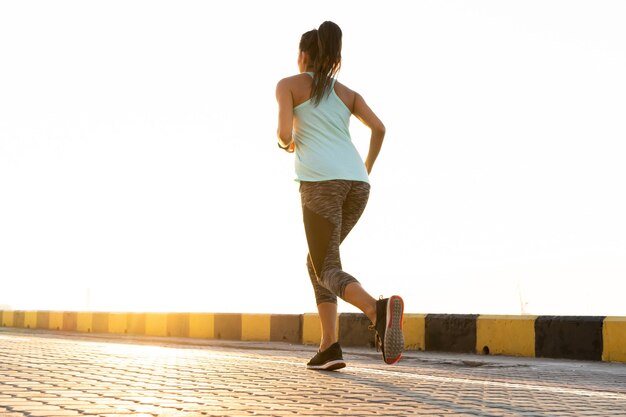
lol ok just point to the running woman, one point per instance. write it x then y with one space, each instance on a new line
314 112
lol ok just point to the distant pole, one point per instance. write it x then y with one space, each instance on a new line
522 303
88 299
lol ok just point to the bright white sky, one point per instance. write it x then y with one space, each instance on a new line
139 169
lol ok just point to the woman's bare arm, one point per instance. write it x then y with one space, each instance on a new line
285 114
365 114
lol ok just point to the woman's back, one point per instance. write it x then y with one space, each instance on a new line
324 149
301 85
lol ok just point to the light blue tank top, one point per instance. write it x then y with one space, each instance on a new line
324 148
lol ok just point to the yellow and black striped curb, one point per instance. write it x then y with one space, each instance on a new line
567 337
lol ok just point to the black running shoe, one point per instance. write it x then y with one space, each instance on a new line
328 360
389 336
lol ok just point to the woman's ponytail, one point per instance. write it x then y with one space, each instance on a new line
328 60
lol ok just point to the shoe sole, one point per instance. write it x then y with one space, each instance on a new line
328 366
394 337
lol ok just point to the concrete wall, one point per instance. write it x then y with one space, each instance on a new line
585 338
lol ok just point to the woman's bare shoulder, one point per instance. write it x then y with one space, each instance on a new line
294 79
299 86
346 95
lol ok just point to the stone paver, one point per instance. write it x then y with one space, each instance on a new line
48 375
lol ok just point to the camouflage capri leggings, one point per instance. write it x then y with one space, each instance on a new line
330 209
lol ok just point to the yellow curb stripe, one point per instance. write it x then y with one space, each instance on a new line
156 324
84 321
506 335
614 339
311 329
7 319
30 320
414 326
255 327
202 325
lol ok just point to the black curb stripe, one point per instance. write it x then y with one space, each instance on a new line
354 330
286 328
227 326
43 319
117 329
451 332
136 323
100 323
178 324
70 321
569 337
19 317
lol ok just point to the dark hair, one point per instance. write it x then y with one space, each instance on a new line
308 44
324 48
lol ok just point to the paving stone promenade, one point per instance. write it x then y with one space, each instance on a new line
54 374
